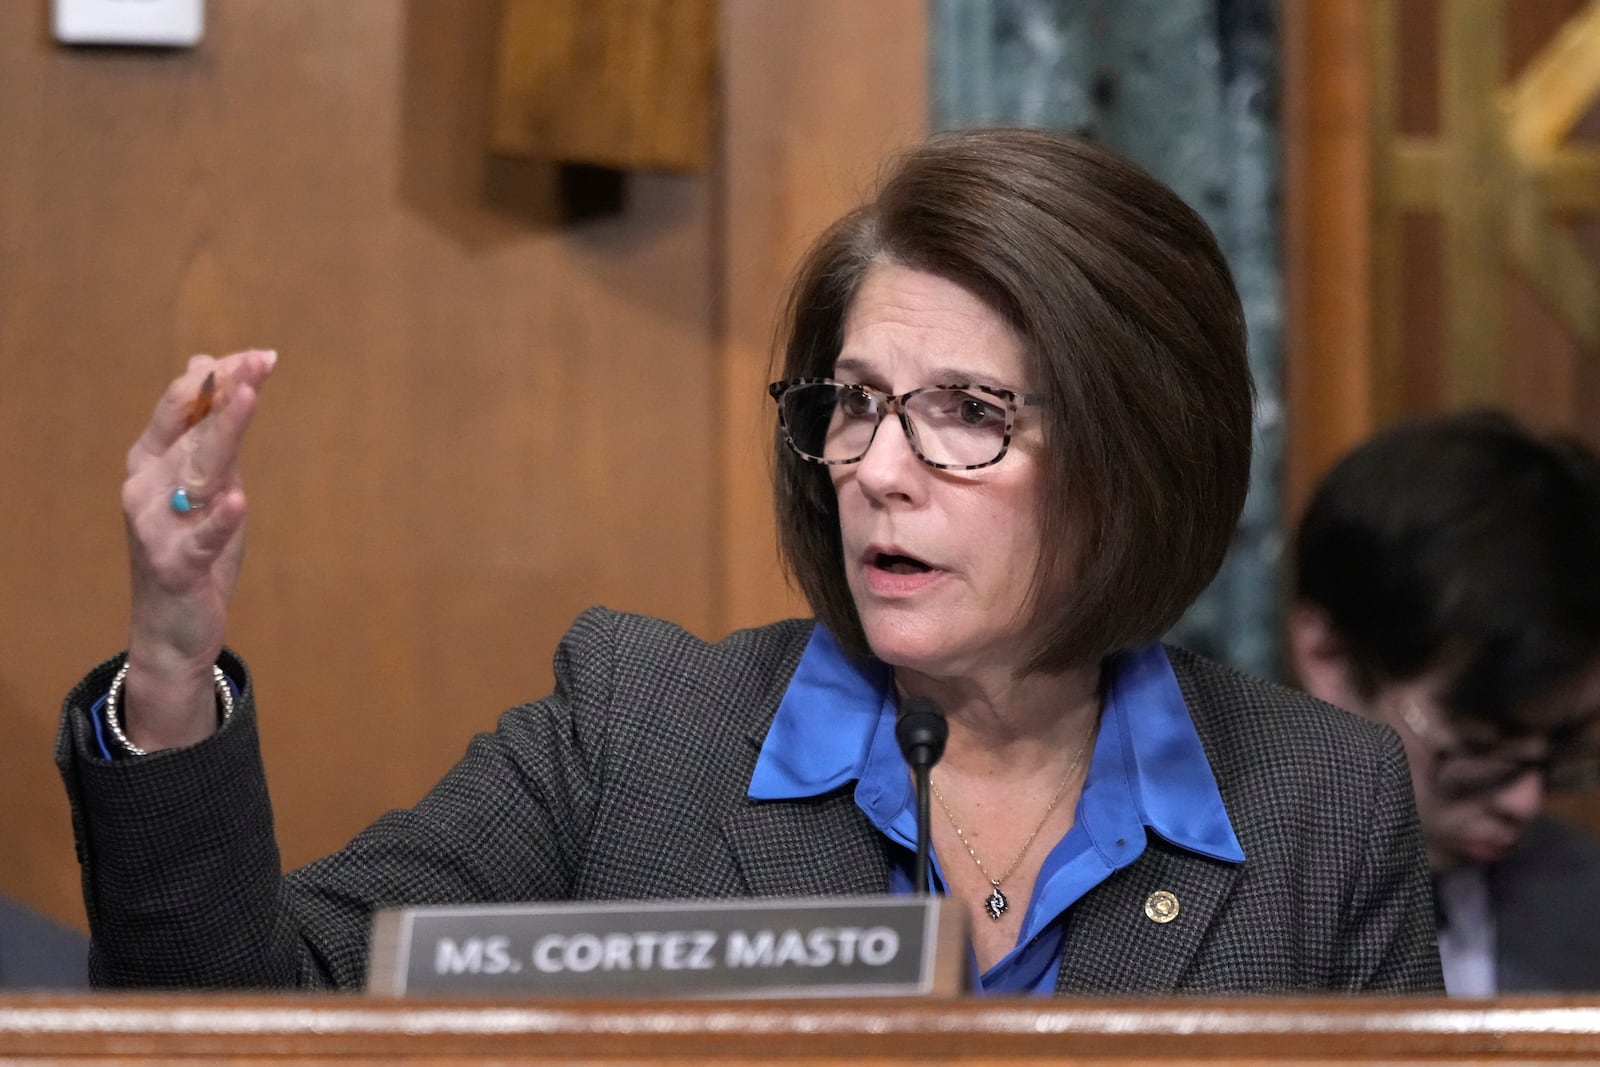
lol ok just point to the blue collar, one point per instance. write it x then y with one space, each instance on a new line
835 726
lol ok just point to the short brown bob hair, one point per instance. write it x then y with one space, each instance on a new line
1134 335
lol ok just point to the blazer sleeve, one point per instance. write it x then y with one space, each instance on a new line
1390 942
180 865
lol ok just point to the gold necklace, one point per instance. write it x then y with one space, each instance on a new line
996 902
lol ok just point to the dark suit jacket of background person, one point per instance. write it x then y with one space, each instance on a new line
629 782
1547 939
37 953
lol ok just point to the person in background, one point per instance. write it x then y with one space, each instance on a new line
39 953
1012 438
1446 584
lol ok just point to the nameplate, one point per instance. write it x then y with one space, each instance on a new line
822 947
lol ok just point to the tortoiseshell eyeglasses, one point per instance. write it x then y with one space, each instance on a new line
952 427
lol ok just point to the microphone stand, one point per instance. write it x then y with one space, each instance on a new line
921 731
920 875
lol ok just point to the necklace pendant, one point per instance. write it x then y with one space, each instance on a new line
996 903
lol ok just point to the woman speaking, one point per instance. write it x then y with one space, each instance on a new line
1012 440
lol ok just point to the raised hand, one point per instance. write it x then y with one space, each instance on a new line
184 506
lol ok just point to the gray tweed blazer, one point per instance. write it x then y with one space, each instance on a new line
628 782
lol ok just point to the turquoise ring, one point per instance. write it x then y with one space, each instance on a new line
181 503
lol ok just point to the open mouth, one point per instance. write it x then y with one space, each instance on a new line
897 564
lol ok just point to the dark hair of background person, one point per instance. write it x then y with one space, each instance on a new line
1461 540
1135 337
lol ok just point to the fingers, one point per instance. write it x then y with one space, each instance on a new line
177 412
193 437
207 457
220 520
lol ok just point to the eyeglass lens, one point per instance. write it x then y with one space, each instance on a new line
1460 775
950 427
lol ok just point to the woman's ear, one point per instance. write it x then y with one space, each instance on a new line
1321 658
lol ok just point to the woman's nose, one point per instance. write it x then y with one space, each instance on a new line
890 466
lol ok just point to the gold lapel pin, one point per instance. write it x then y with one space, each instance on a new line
1161 906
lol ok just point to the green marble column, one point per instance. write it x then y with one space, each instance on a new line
1189 88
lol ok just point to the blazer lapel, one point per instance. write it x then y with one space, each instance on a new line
1115 946
816 846
810 846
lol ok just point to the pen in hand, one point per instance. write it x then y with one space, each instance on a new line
200 406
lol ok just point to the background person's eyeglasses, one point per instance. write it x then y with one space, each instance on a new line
1464 771
952 427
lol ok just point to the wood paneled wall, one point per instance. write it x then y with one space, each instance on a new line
1327 101
1338 387
484 419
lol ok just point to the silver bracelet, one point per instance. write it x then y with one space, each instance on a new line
224 694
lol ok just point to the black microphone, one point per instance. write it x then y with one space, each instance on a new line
921 731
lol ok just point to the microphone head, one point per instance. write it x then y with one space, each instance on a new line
921 731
